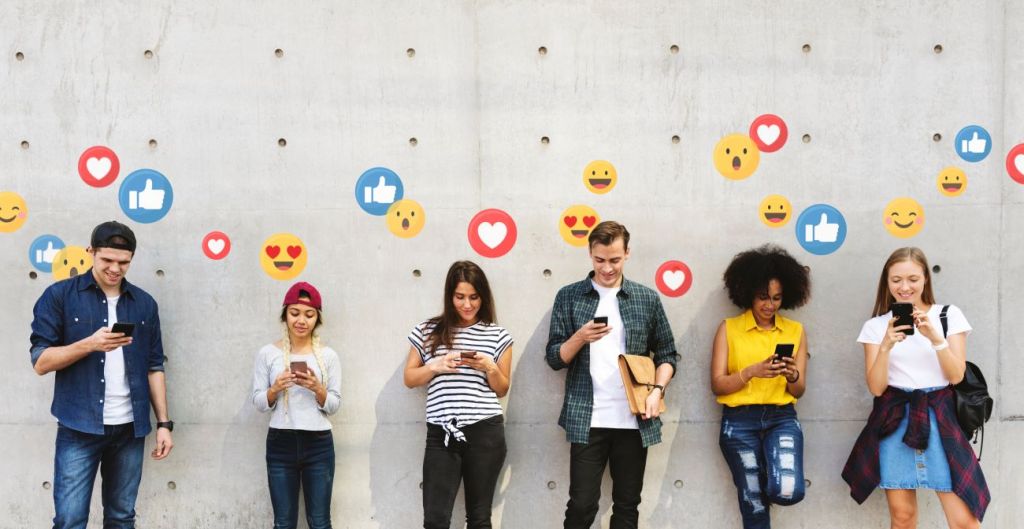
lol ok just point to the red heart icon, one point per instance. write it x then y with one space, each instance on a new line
294 251
569 221
272 251
589 221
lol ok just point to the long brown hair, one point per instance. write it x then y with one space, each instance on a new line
444 325
883 298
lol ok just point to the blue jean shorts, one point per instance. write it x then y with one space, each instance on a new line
904 467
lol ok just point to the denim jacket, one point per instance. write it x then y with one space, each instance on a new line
75 308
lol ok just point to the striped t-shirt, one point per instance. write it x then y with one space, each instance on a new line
456 400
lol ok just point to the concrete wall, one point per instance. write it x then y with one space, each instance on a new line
478 96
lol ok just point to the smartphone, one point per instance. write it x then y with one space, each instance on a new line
601 320
126 328
904 314
299 367
467 355
783 349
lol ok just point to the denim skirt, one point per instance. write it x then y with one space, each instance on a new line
904 467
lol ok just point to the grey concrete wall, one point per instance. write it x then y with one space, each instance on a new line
478 97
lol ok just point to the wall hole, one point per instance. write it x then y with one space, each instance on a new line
674 49
411 53
414 142
545 140
678 484
421 485
159 273
20 56
46 485
936 269
547 272
807 483
675 139
152 143
807 48
417 273
33 275
148 54
24 144
938 48
165 358
279 53
282 142
807 138
172 485
552 485
543 50
936 137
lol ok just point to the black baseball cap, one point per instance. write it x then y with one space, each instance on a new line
106 236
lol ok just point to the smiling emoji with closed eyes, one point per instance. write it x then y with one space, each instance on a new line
952 181
13 211
903 218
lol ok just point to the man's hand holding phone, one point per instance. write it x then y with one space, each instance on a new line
106 340
594 330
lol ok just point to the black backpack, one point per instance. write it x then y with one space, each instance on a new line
971 398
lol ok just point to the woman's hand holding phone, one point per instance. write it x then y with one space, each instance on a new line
925 327
480 362
768 368
448 363
893 335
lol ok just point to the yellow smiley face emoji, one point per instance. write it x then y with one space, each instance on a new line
71 261
13 211
775 211
599 176
736 156
406 218
904 218
283 256
952 181
575 223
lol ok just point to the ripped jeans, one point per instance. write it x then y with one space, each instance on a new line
764 447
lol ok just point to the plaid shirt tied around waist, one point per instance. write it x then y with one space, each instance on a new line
862 470
647 332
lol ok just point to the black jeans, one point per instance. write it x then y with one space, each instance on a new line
624 450
477 462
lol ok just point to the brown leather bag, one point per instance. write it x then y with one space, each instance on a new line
638 377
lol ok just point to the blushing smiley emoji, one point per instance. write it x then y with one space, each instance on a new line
736 156
283 256
903 218
599 176
575 223
71 261
406 218
775 211
952 181
13 211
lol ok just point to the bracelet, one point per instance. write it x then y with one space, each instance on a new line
740 373
794 381
941 346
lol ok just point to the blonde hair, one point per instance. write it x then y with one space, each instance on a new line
286 347
883 297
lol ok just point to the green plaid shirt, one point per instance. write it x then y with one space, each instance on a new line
647 331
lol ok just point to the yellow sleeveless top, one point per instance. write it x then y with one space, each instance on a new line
749 344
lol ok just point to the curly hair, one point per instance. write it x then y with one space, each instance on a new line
750 272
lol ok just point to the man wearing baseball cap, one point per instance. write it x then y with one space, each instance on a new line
105 381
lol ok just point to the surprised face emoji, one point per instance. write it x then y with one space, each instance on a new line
71 261
406 218
736 156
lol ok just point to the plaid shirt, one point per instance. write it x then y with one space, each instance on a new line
862 472
647 331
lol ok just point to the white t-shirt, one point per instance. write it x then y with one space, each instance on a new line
913 363
117 396
611 409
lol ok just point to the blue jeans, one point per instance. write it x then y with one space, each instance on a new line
306 457
764 447
117 454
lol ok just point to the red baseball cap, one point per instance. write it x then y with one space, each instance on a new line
301 290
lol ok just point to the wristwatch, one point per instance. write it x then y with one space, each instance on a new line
168 424
662 388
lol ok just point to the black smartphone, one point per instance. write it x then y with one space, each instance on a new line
904 314
601 320
783 349
126 328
